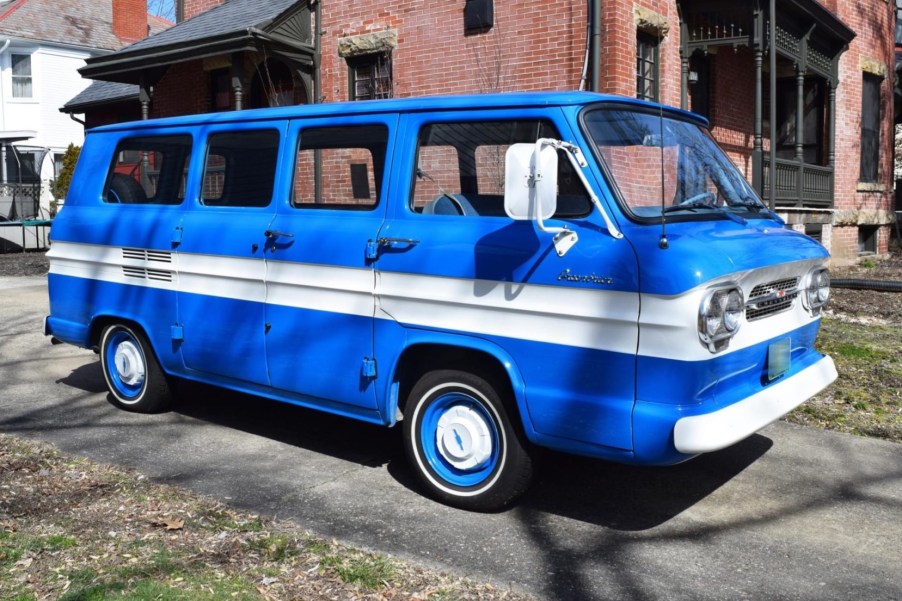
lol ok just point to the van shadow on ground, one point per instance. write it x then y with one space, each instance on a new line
620 497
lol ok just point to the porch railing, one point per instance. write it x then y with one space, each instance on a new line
800 185
19 201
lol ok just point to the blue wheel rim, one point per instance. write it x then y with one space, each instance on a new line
124 386
443 468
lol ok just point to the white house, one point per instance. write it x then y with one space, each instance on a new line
43 43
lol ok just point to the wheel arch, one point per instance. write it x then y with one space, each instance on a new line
100 322
476 356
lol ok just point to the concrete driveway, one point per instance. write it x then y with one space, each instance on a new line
791 513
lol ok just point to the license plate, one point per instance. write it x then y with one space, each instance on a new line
779 357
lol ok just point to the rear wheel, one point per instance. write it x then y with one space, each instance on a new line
132 373
462 444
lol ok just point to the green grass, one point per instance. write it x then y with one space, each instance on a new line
163 576
368 571
13 547
866 399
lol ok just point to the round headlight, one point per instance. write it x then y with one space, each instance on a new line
733 309
823 287
720 315
817 290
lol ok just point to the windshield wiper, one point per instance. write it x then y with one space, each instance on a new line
700 204
689 206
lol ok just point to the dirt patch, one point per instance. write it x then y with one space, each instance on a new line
20 264
73 529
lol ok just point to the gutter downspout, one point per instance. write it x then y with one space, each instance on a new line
595 48
772 50
317 52
3 174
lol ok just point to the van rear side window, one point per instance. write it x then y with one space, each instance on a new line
240 169
350 161
149 170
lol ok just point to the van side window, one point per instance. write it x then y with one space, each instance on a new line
149 170
340 167
460 169
240 169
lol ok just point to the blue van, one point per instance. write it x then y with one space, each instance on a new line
497 273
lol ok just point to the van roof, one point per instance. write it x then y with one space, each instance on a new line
394 105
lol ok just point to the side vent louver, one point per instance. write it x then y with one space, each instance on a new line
146 256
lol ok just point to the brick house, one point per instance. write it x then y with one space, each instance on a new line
817 78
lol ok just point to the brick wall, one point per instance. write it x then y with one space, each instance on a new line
732 105
873 21
533 46
170 97
195 7
130 20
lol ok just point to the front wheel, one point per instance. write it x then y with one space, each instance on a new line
132 373
461 443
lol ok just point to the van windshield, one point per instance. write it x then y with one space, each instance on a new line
665 164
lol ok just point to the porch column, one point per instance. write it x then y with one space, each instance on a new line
684 82
758 147
238 79
772 60
831 125
831 128
800 113
144 97
800 131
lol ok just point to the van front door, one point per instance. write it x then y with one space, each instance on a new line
475 276
221 255
319 283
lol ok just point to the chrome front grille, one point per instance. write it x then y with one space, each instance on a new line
771 298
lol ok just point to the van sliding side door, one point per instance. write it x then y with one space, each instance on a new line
222 253
320 283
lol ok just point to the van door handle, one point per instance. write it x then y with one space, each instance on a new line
373 246
272 234
398 241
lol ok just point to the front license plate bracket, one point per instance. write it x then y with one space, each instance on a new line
779 358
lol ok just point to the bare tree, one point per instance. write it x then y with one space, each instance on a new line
162 8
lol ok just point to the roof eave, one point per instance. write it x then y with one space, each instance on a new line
126 67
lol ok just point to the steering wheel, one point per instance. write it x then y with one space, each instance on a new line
706 197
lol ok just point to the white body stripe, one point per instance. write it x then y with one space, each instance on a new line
320 287
580 317
595 319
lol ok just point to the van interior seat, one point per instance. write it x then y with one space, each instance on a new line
486 205
124 189
443 205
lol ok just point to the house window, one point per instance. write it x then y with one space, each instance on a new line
21 68
646 67
870 128
370 77
867 239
